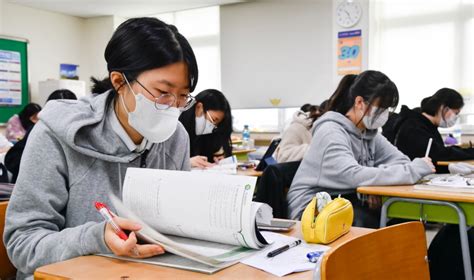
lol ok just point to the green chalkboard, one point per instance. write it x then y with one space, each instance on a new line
13 46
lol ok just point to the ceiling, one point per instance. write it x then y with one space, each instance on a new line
123 8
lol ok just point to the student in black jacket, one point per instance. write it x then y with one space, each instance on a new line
414 128
209 126
412 132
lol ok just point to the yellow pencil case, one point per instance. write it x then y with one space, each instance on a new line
334 220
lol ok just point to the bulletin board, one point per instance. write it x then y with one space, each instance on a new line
13 76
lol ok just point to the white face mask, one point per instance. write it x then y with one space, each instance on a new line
204 126
374 121
448 122
153 124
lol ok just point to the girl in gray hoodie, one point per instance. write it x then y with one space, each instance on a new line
347 151
79 151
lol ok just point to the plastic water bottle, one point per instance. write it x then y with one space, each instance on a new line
246 133
245 136
457 133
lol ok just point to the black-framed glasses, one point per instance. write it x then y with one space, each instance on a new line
167 100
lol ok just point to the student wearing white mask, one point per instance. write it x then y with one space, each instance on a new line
209 125
78 154
414 128
347 151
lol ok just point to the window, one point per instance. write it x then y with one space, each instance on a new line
425 45
201 28
262 120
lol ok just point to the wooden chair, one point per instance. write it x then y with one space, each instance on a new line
7 270
395 252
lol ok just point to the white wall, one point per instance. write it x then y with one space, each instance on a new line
97 33
54 39
278 48
57 38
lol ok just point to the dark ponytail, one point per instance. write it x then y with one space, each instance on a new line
370 85
141 44
444 97
339 100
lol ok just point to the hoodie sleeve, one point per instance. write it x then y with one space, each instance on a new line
339 169
386 153
35 227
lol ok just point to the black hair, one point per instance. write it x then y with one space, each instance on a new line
28 111
370 85
323 107
141 44
444 97
62 94
207 145
314 112
305 108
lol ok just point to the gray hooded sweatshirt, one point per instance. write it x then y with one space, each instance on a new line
342 158
74 158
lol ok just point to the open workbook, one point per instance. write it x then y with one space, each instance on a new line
204 221
447 183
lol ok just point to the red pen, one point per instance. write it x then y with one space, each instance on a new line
105 212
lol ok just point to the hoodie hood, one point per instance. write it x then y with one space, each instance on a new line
301 118
82 125
347 124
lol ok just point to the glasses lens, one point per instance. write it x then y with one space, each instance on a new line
164 101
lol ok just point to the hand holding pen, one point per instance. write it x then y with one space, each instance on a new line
118 241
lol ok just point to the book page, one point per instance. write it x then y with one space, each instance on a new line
212 207
205 252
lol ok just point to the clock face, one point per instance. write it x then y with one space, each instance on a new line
348 14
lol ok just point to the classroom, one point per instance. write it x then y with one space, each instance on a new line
237 139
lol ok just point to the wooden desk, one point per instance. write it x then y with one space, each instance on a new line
96 267
446 207
446 163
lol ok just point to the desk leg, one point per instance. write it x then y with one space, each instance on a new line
462 226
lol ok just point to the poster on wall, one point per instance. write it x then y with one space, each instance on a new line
349 52
68 71
10 78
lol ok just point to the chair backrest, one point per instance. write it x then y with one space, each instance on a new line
273 186
395 252
7 270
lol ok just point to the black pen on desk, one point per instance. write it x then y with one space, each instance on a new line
283 249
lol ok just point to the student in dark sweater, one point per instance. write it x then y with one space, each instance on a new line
414 128
209 125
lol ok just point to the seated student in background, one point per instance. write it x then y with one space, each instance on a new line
415 128
78 154
13 157
18 125
209 125
347 151
413 133
296 138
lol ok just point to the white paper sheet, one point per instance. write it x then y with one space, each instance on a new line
292 260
